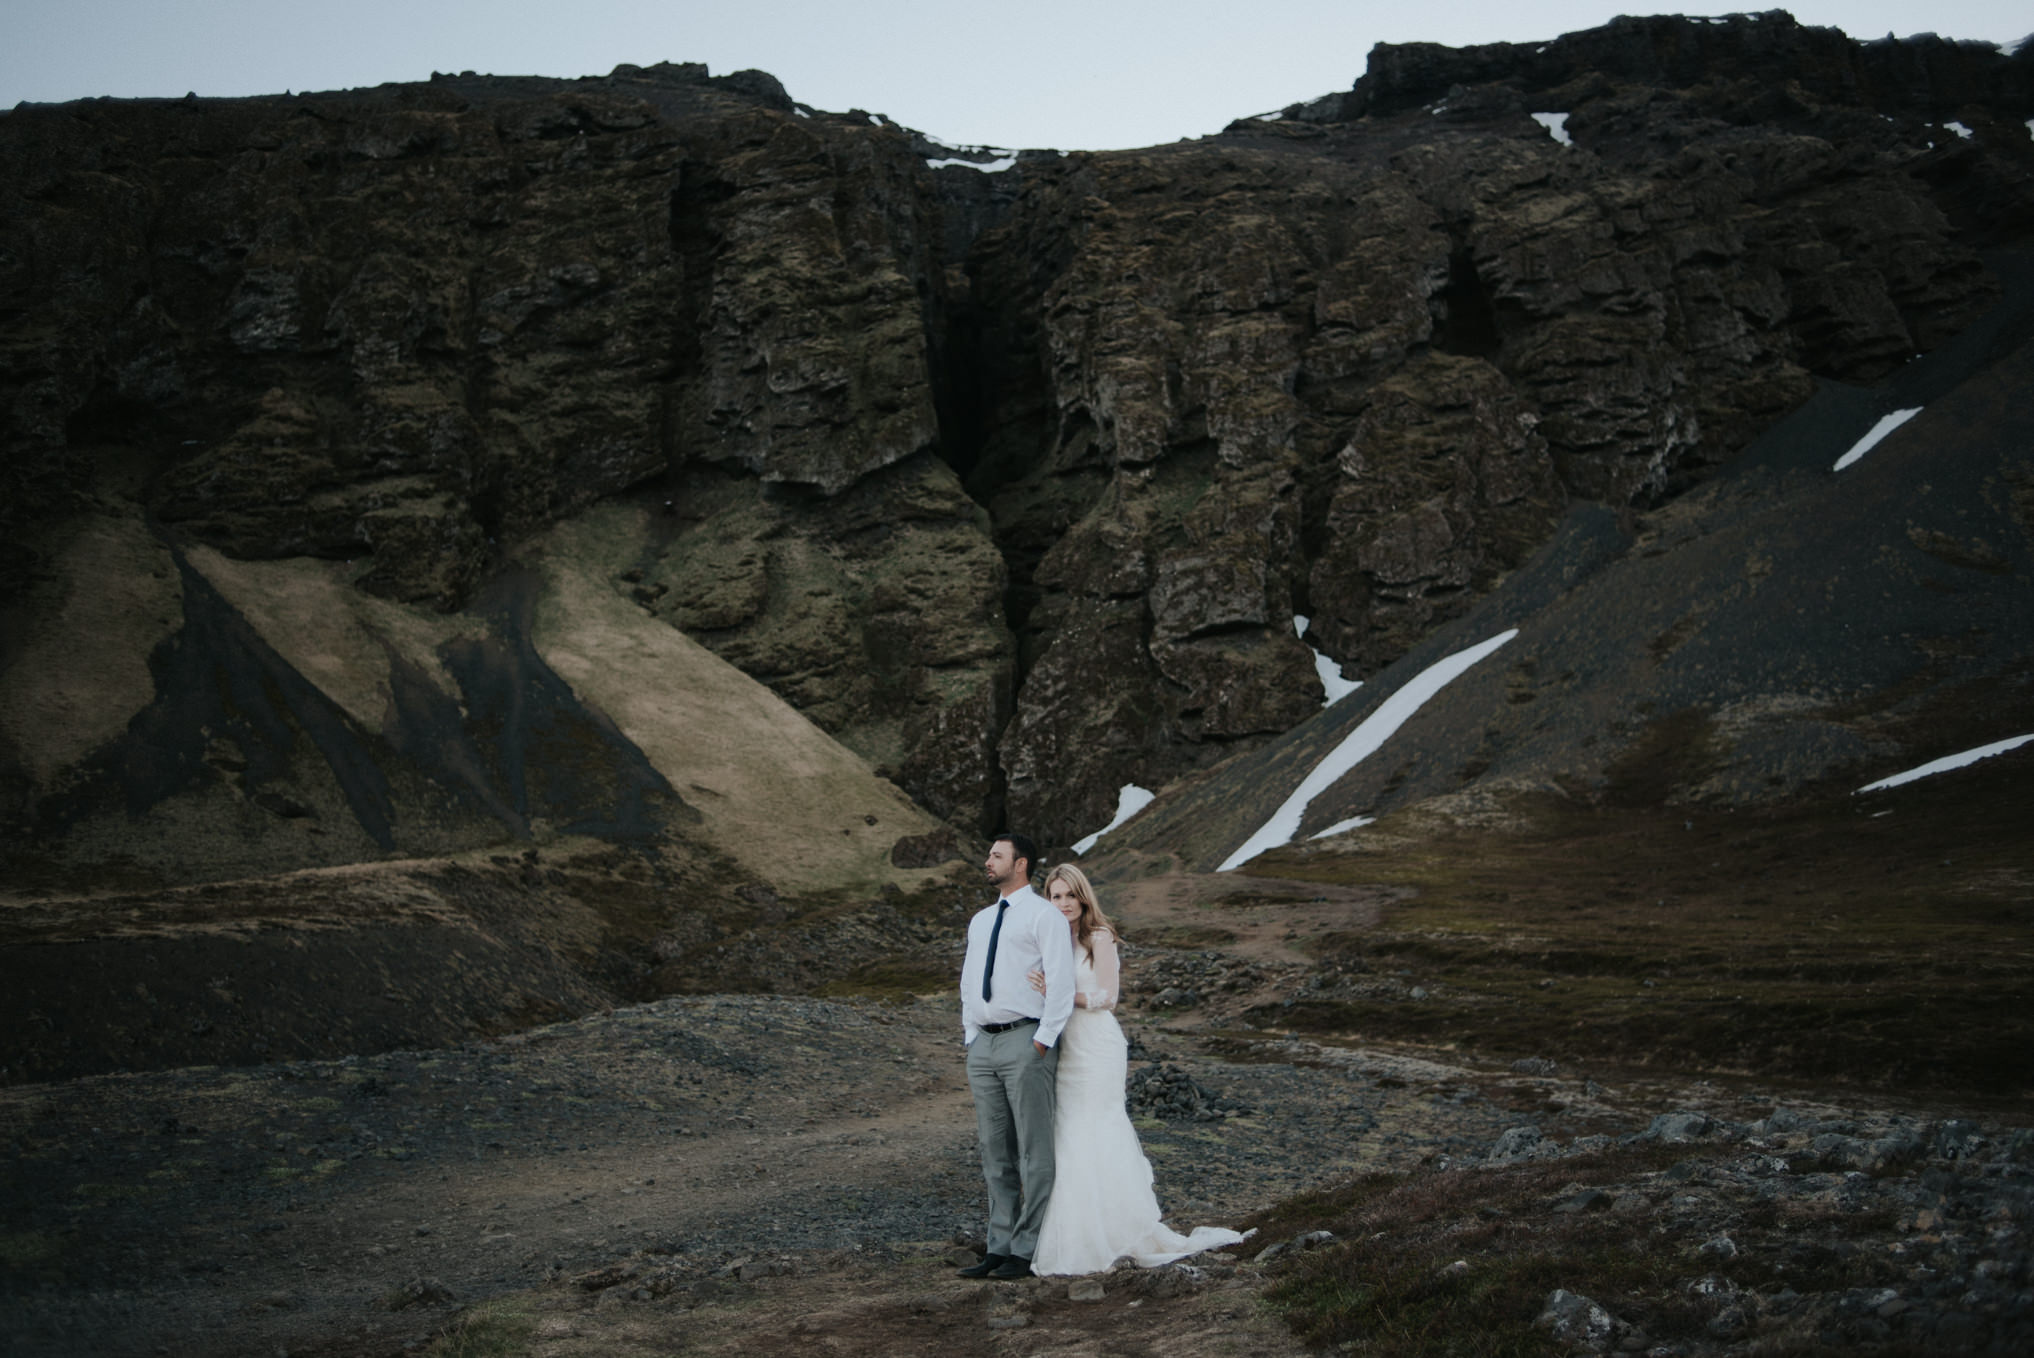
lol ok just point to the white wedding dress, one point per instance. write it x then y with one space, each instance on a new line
1102 1206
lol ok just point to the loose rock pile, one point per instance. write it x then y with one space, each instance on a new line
1165 1091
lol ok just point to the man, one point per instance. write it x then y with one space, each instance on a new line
1013 1050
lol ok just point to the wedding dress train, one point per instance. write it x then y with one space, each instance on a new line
1102 1207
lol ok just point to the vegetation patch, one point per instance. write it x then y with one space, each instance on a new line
23 1250
1186 936
1429 1263
1877 941
900 982
496 1329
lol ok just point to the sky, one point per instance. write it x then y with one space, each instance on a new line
1067 74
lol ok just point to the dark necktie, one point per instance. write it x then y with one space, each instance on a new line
989 967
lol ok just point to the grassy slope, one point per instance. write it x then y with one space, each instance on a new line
1884 941
775 792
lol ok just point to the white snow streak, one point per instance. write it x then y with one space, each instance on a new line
1334 687
1948 762
1960 130
1556 125
1129 801
1343 826
986 167
1886 425
1358 745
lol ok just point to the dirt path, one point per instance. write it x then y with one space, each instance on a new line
703 1174
245 1210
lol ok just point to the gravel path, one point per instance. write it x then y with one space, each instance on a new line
301 1207
274 1206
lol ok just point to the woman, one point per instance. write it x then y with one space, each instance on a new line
1102 1207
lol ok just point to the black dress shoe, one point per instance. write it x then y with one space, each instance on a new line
1013 1266
990 1263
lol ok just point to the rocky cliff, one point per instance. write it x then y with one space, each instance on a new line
345 431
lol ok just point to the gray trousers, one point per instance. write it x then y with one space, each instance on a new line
1014 1086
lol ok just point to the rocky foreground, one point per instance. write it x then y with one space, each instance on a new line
718 1173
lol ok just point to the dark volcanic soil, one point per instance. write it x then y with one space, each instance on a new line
667 1174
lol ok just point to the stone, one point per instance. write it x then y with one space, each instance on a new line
1674 1128
419 1291
1173 1280
925 851
1718 1247
1576 1321
1958 1139
1086 1289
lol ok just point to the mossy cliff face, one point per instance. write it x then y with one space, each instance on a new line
1352 363
1012 484
342 362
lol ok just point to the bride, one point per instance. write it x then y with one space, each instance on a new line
1102 1206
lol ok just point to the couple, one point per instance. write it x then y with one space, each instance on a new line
1069 1187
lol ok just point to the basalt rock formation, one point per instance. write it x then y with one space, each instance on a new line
1013 484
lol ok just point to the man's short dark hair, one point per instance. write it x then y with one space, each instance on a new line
1020 847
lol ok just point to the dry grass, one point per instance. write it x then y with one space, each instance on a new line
1883 941
1462 1262
1447 1263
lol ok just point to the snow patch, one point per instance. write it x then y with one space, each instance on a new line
2030 127
1344 826
1873 436
1358 745
1947 762
1130 799
996 166
1556 125
1334 687
1960 130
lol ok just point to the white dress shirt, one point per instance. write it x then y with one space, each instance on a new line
1034 938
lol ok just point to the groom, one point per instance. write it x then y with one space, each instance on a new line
1013 1058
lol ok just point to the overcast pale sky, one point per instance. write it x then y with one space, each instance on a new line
1071 74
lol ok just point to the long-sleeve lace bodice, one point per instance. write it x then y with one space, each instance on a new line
1098 984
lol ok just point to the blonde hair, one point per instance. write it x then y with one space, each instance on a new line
1091 916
